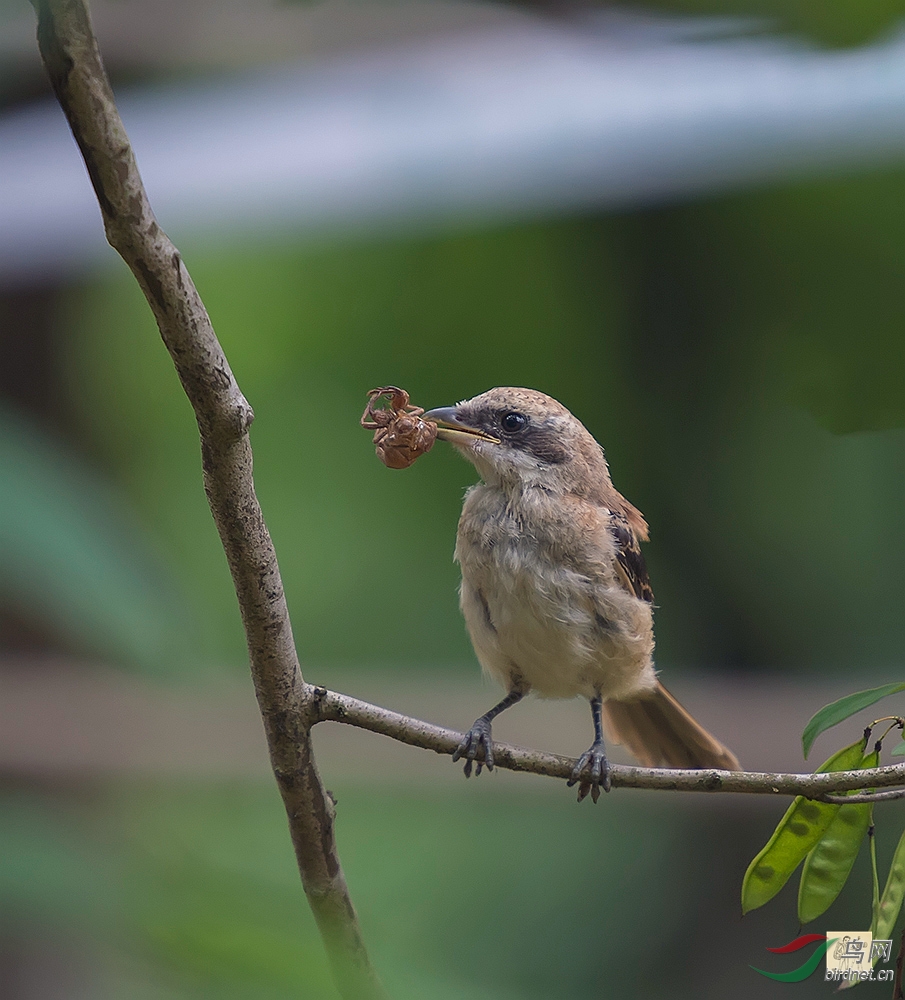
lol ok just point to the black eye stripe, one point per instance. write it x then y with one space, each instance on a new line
544 443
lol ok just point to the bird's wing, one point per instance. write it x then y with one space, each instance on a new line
630 567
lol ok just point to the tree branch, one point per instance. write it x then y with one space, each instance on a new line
328 706
71 57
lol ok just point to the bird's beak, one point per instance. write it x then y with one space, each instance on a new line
451 428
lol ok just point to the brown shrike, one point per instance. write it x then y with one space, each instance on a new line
555 593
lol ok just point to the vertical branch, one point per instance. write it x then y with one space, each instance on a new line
70 53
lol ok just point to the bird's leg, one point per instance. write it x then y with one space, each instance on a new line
593 769
479 737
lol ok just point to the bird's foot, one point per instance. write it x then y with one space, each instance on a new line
477 740
591 773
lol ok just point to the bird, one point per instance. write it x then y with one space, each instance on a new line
555 592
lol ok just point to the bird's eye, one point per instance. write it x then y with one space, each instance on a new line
512 422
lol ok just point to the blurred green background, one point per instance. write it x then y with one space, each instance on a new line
742 359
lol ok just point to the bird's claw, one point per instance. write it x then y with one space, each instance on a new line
591 773
477 739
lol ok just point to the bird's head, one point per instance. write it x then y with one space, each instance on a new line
522 438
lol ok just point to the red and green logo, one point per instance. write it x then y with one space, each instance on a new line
803 971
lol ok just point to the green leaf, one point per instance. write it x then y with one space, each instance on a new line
899 749
831 715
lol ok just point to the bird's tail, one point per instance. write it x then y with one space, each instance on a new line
659 731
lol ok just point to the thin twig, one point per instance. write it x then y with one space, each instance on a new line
887 796
333 707
70 53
